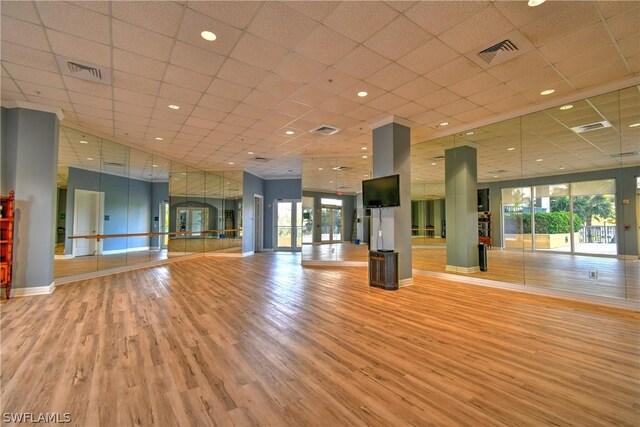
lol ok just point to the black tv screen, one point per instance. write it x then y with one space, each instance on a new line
383 192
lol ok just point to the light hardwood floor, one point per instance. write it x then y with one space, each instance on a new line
264 341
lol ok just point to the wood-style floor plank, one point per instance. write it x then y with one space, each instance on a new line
264 341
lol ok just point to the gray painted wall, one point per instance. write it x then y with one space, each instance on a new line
277 189
127 203
159 194
29 147
251 185
348 206
625 189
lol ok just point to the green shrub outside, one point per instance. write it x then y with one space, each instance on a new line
546 223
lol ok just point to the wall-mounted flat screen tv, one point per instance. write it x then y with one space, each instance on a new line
382 192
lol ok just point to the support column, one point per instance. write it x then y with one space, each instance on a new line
29 146
461 205
391 155
438 216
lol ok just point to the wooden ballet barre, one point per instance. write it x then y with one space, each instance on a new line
169 233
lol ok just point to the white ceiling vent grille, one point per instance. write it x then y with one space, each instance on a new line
341 168
73 68
591 126
625 154
261 159
505 47
326 130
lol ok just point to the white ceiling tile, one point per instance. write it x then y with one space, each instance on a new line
23 34
537 80
364 113
299 68
338 105
165 125
262 99
28 74
217 103
360 20
316 10
504 104
438 98
278 86
84 86
416 88
361 63
97 6
135 83
229 129
553 26
9 85
250 111
473 85
428 57
491 95
66 106
30 89
398 38
158 16
236 13
237 120
455 71
599 76
407 110
196 59
194 23
143 42
137 64
626 24
90 100
133 97
89 110
391 77
281 24
573 44
521 66
293 108
315 45
186 78
258 52
178 95
477 32
387 102
311 95
437 17
138 110
277 118
79 49
75 20
241 73
603 55
22 10
335 81
630 46
456 107
228 90
30 57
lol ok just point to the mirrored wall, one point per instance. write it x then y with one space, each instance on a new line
334 227
557 204
118 206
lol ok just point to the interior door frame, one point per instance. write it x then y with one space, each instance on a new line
332 209
99 220
258 223
294 227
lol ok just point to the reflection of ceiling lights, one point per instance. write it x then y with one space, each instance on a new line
250 152
155 166
364 148
444 123
174 107
634 125
158 138
511 148
208 36
364 157
433 164
547 92
89 158
534 3
362 94
86 142
231 163
289 132
470 133
566 107
538 160
320 169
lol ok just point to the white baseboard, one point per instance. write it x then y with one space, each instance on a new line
29 292
224 254
126 250
311 263
65 256
405 282
250 253
456 269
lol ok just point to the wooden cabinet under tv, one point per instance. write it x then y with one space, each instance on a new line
383 270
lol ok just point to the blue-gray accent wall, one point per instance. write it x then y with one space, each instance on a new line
251 186
277 189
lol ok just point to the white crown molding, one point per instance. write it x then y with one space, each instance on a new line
37 107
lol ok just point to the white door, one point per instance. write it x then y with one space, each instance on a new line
257 223
87 220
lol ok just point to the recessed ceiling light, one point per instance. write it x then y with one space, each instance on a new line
495 176
364 157
174 107
231 163
561 167
511 148
155 166
362 94
208 36
547 92
566 107
250 152
86 142
366 174
470 133
433 164
538 160
363 148
320 169
330 182
534 3
158 138
444 123
634 125
289 132
89 158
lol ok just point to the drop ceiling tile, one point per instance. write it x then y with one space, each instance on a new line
634 64
194 133
258 52
428 57
278 86
241 73
476 114
630 46
229 129
143 42
262 99
338 105
316 10
325 45
79 49
335 82
601 75
95 123
158 16
196 59
135 83
391 77
165 125
22 10
250 111
477 32
133 97
84 86
238 14
23 34
236 120
626 24
299 68
562 22
604 55
538 80
507 103
311 95
491 95
208 114
473 85
35 76
228 90
217 103
519 67
12 96
455 71
75 20
438 98
436 17
364 113
9 85
186 78
31 89
131 121
369 17
30 57
293 108
139 65
194 23
265 126
278 119
387 102
398 38
291 25
361 63
90 100
456 107
613 8
93 111
138 110
96 6
66 106
573 44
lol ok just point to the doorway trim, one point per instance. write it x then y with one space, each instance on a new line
258 223
99 219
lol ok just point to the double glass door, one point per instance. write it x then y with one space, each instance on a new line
288 225
331 224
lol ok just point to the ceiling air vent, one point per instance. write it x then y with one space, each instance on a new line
591 126
114 164
625 154
505 47
341 168
261 159
74 68
326 130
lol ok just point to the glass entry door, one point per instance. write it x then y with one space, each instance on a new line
192 219
331 224
288 225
